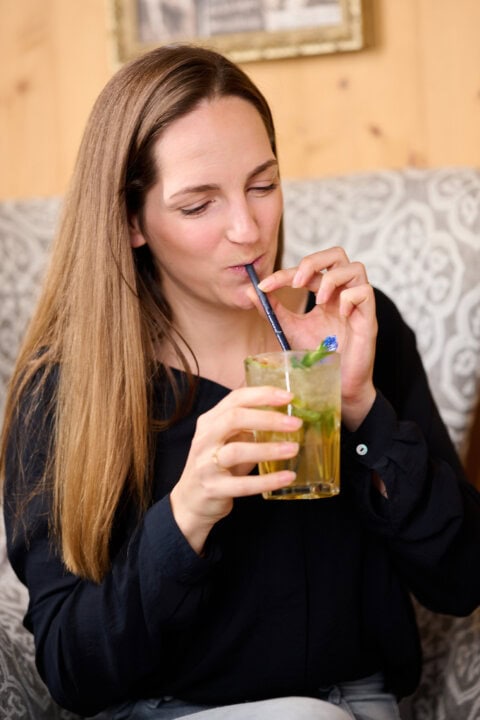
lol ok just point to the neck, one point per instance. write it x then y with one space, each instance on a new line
220 340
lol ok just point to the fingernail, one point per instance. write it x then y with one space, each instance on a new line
287 476
264 285
321 297
290 448
284 394
297 279
292 422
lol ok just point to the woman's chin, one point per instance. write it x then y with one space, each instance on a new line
243 302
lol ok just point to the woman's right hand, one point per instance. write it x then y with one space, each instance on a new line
219 460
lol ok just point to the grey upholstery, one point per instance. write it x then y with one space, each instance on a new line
419 234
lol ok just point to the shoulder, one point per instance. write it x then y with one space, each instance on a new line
387 311
36 397
394 334
31 419
398 365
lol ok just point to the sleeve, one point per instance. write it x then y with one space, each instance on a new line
430 518
96 642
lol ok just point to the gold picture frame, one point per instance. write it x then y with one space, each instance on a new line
244 30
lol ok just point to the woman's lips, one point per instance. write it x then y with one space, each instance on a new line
241 268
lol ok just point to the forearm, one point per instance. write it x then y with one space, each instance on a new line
95 643
430 517
355 410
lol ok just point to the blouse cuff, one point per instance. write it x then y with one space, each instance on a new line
368 443
169 550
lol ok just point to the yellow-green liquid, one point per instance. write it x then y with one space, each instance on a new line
317 401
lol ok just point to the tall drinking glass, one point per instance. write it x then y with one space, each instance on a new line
317 402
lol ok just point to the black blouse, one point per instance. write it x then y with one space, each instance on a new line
289 596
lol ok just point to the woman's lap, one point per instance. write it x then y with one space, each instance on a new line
289 708
359 700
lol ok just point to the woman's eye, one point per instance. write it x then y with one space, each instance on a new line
195 210
263 189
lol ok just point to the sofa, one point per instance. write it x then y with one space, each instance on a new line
418 232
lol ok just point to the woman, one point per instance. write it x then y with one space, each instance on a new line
132 505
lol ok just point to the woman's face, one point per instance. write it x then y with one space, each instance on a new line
216 206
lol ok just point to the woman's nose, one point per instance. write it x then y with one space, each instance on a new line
241 225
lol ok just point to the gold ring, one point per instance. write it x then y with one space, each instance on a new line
216 460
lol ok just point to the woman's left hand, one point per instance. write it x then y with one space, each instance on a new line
345 308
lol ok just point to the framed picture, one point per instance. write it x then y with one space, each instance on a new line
245 30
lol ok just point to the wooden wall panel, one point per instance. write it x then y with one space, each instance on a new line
450 61
54 60
412 98
352 111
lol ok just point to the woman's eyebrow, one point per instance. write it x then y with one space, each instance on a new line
205 187
264 166
194 189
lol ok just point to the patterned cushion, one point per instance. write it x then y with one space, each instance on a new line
418 232
22 692
450 684
26 230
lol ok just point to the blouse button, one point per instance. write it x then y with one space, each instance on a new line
361 449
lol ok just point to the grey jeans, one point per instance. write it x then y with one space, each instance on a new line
358 700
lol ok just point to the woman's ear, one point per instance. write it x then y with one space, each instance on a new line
136 236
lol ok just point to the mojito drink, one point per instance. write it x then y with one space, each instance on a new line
316 401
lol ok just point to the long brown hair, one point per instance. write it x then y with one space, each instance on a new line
102 310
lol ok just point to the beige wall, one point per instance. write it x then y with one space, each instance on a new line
412 98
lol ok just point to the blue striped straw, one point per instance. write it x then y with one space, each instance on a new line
268 308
